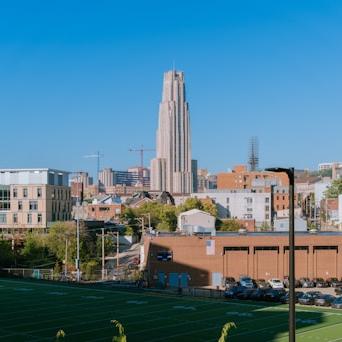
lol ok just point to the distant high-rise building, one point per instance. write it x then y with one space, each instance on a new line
106 177
171 170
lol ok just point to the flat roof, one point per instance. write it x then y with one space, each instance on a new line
254 234
33 169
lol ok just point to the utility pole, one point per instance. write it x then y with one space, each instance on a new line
103 251
117 247
66 258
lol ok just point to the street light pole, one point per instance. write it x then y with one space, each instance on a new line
292 293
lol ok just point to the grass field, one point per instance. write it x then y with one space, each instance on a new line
35 311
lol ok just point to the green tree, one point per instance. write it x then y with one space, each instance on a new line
334 190
225 331
35 252
56 238
121 337
6 254
230 225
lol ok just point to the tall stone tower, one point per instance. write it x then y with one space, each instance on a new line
171 169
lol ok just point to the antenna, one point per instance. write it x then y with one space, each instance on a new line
97 155
253 157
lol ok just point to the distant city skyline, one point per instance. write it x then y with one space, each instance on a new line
79 78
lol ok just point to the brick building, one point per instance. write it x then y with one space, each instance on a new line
205 260
240 178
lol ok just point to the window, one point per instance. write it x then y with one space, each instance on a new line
227 200
283 207
39 218
277 198
20 205
249 210
5 203
267 200
267 216
29 218
267 208
15 192
249 200
283 198
39 192
3 218
33 205
25 193
15 218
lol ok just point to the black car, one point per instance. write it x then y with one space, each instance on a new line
306 282
324 300
229 282
233 291
320 282
273 295
337 303
257 294
334 282
246 294
286 298
338 290
309 298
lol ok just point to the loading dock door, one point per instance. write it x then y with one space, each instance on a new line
325 263
301 266
236 263
266 264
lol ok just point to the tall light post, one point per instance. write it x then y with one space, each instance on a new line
292 302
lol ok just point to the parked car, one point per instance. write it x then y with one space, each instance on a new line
233 291
338 290
320 282
273 295
286 283
258 294
286 298
262 284
337 303
309 298
276 283
246 282
324 300
245 294
334 282
306 283
229 282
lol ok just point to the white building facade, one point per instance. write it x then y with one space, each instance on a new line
241 204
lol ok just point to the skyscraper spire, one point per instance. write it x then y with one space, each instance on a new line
171 169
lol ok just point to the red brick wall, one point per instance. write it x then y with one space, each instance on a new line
189 255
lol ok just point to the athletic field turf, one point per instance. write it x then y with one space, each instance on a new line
35 311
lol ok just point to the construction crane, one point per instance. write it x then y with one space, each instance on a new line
98 156
141 150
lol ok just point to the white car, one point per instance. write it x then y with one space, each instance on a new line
276 284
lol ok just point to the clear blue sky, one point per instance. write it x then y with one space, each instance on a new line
82 76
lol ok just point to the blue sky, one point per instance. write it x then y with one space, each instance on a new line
82 76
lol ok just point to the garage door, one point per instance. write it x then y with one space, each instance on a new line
301 266
266 264
236 263
325 263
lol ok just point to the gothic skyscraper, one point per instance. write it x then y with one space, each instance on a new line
171 170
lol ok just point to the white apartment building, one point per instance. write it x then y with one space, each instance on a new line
240 204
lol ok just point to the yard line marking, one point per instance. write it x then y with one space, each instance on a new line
184 307
92 297
57 293
320 328
137 302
